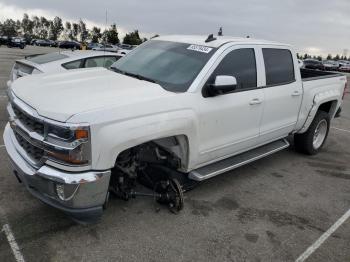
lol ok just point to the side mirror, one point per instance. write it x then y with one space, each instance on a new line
223 84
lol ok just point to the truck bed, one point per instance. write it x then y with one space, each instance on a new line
309 74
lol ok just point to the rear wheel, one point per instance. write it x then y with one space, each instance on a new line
314 138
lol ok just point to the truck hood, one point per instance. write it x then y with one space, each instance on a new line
62 95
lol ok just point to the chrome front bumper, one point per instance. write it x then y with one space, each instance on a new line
87 190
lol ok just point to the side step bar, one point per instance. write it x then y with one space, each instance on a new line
233 162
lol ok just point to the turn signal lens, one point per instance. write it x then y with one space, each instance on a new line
69 158
81 134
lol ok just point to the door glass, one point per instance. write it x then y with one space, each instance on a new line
279 66
241 64
101 61
72 65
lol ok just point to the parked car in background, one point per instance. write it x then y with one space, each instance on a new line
90 46
345 68
3 40
313 64
125 48
44 42
106 47
69 45
61 61
344 62
330 65
16 42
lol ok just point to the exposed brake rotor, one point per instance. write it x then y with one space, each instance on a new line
170 194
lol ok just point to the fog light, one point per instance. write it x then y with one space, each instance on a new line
60 191
66 192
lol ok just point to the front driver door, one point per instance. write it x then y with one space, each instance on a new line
229 123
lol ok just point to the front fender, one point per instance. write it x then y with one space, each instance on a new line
111 139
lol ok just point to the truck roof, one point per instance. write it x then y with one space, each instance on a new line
220 40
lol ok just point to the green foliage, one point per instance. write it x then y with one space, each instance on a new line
329 57
111 35
56 28
75 30
132 38
306 56
95 34
83 31
9 28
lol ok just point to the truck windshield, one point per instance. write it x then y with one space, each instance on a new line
174 66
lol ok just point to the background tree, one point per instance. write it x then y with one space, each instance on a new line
132 38
306 56
329 57
44 28
95 34
75 30
56 28
337 57
27 26
82 31
36 26
9 28
111 35
68 31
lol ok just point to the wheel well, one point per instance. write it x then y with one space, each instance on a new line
176 147
328 107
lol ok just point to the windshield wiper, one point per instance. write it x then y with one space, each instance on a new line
140 77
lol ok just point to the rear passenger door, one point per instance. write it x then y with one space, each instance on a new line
283 94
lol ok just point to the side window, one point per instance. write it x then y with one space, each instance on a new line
279 66
101 61
241 64
72 65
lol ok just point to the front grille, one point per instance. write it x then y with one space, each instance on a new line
34 152
29 122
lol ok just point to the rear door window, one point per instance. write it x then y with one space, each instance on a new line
279 67
73 65
101 61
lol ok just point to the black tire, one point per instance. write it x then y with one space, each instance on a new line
304 143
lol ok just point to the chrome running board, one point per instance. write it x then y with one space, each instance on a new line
233 162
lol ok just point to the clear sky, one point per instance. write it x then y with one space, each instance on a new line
313 26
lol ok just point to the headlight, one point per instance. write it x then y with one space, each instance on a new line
70 145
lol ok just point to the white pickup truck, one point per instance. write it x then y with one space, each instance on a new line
174 111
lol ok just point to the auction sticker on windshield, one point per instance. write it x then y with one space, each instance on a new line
200 48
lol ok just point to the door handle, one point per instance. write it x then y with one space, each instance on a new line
255 101
296 93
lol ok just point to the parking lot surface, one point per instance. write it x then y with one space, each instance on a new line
271 210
